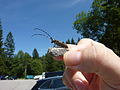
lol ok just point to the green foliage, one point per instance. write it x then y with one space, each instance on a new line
101 23
72 41
35 54
9 45
36 67
3 67
78 40
51 65
1 40
68 41
23 65
20 55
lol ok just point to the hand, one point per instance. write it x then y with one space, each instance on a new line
91 66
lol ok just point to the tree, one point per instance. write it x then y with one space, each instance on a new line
50 65
112 16
20 55
18 65
3 67
35 54
9 45
72 41
78 40
1 42
68 41
35 67
101 23
23 65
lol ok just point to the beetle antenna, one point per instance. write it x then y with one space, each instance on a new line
48 35
40 35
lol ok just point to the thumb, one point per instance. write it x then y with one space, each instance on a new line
95 58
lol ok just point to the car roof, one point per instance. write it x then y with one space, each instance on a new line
55 77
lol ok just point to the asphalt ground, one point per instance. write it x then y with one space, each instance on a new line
17 84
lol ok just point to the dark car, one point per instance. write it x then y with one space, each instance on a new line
12 77
51 83
3 77
52 74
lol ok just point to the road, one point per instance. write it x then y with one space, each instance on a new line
17 84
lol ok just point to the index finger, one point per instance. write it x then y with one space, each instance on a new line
60 58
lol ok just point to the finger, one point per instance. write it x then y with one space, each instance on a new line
67 82
67 79
58 58
70 47
85 43
95 58
75 79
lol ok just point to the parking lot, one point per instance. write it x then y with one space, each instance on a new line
17 84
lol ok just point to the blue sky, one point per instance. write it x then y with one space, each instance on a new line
54 16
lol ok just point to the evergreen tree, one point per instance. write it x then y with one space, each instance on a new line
35 54
1 42
72 41
50 65
78 40
35 67
68 41
23 65
9 45
20 55
3 67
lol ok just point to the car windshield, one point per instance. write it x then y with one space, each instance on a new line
46 84
57 83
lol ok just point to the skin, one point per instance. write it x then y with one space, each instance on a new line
91 66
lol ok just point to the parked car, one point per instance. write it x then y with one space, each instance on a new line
52 74
3 77
29 77
51 83
12 77
39 77
6 77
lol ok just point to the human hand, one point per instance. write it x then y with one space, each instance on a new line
91 66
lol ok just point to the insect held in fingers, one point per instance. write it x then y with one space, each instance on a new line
55 51
47 35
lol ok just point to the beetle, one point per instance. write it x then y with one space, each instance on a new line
56 42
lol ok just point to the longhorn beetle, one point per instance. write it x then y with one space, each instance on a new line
56 42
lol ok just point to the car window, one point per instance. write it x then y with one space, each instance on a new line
46 84
57 83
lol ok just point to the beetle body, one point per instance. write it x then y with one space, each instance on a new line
59 43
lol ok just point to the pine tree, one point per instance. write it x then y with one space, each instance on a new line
72 41
68 41
3 67
1 42
78 40
35 54
9 45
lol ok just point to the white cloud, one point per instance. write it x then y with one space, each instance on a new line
69 3
73 2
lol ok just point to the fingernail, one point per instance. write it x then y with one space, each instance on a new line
80 85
